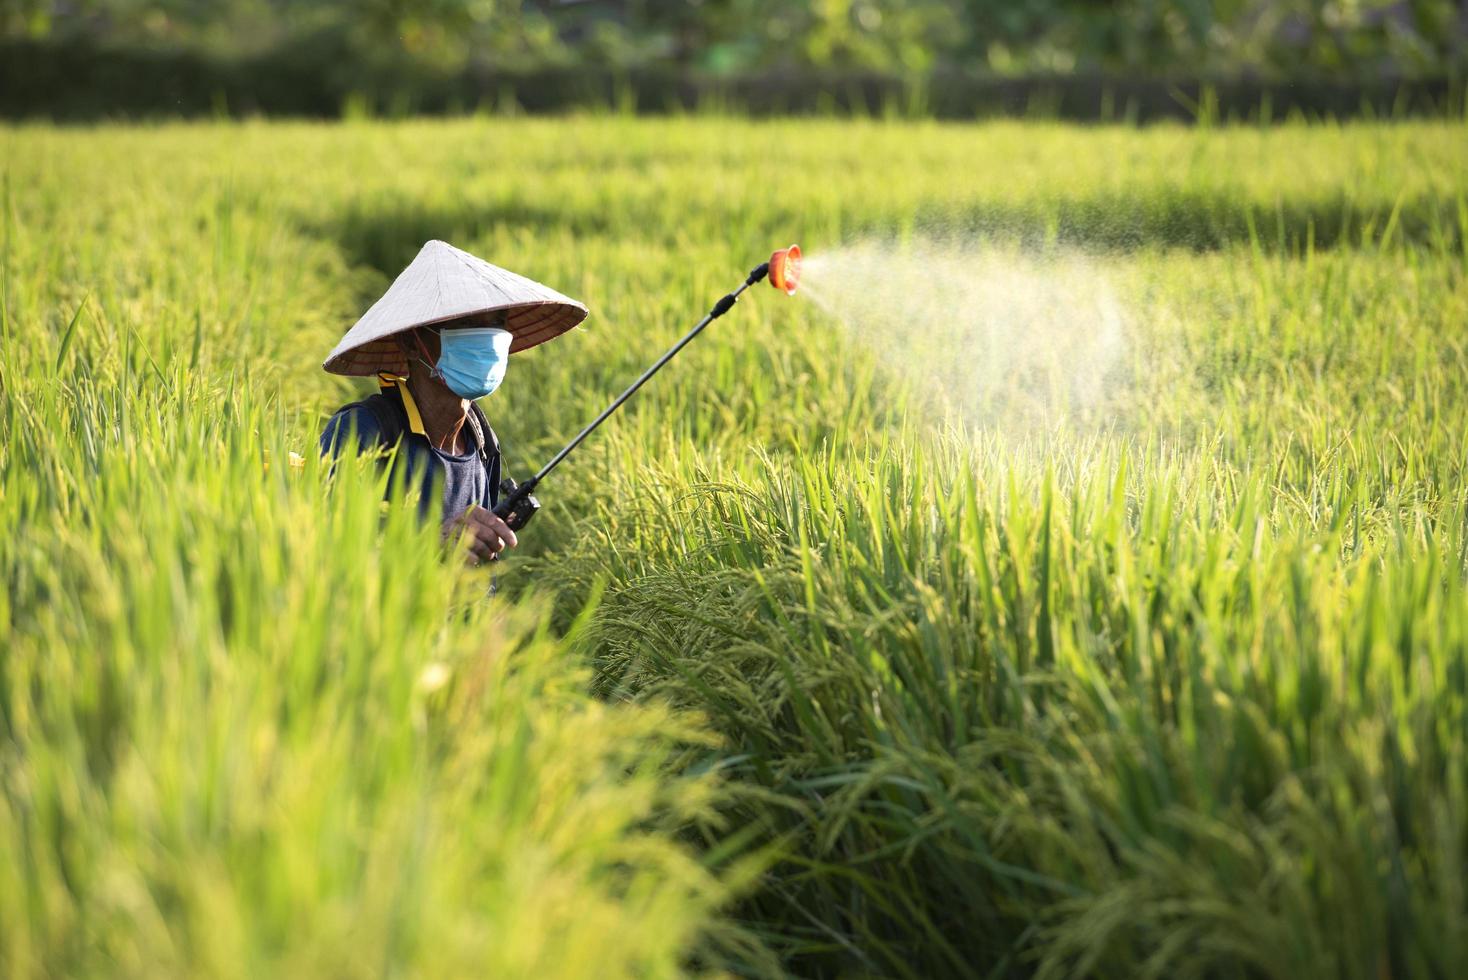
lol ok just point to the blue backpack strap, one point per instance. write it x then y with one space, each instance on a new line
489 444
388 411
489 451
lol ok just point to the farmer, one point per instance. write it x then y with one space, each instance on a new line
439 338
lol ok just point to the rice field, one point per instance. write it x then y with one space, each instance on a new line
1071 581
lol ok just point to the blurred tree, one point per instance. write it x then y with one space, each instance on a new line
904 36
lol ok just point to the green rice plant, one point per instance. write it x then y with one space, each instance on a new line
252 721
1064 730
823 658
213 765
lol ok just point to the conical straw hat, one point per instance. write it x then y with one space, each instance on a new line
444 283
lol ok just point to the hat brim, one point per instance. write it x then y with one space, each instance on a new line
530 324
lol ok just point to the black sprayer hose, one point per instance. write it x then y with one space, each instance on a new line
720 308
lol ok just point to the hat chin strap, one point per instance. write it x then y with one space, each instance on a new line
433 371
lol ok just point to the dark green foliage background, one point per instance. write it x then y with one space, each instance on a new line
1284 37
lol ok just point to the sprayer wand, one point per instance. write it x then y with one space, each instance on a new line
518 505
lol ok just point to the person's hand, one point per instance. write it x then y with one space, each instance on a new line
486 534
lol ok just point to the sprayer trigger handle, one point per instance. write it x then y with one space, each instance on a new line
515 509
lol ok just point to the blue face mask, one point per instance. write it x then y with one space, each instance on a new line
472 360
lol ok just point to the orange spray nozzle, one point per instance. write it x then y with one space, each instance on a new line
785 269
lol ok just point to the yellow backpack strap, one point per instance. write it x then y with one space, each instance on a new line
415 421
